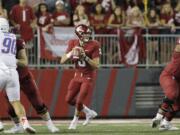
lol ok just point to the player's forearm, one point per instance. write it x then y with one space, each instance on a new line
22 62
63 59
66 57
95 65
93 62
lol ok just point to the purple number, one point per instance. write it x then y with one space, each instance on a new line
9 45
13 47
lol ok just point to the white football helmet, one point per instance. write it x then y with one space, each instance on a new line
4 25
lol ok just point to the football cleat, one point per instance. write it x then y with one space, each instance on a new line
14 130
92 114
155 122
165 125
168 127
1 127
73 124
26 126
30 130
53 128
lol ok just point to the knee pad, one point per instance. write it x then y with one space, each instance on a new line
41 109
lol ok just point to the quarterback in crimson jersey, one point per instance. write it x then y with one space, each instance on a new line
29 88
85 53
170 83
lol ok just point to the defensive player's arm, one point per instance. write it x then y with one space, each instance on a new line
22 60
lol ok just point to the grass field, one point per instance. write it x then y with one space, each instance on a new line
106 127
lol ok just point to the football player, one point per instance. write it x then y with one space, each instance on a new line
9 80
30 89
85 53
170 83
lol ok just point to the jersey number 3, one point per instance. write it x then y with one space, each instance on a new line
9 46
81 63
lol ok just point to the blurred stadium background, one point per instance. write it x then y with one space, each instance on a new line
119 91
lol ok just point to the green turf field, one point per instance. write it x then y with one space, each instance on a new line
107 129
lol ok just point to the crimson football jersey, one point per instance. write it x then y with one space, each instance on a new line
174 66
22 71
92 50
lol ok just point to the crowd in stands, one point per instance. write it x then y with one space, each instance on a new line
103 15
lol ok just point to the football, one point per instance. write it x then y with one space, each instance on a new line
76 53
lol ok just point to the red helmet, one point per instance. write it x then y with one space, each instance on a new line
83 32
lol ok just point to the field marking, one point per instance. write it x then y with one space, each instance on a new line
96 121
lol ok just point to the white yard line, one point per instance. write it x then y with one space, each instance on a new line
99 121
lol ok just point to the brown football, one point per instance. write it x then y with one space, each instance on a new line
76 53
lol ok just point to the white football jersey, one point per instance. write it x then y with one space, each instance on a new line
7 50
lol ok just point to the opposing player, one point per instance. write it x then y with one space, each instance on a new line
9 80
170 83
85 52
29 88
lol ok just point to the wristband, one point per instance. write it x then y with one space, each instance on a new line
86 58
68 55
